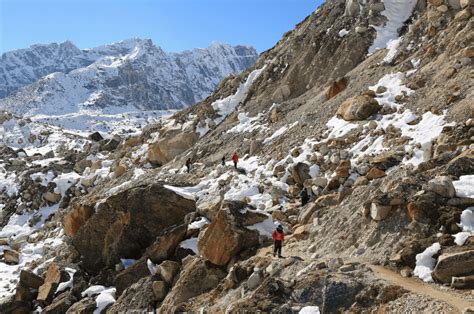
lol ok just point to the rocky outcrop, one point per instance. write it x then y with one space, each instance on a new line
125 224
451 265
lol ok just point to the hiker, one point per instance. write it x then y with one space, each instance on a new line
278 236
223 160
188 164
304 197
235 158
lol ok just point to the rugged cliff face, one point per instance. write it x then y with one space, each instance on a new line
133 74
368 106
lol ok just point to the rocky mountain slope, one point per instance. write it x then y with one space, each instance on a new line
135 74
366 106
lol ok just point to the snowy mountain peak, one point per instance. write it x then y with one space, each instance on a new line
133 73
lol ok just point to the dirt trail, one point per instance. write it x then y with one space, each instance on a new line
383 273
417 287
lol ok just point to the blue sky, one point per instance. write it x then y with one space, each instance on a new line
175 25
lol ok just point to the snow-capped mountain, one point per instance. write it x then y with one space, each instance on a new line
133 74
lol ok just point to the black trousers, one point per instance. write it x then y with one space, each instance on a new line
277 248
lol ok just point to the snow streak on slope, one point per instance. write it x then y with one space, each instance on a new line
397 12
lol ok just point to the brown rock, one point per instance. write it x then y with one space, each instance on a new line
170 145
375 173
379 212
300 232
333 184
77 217
86 305
468 52
336 87
166 244
196 278
30 280
462 164
127 223
225 237
463 15
131 275
168 270
132 141
274 116
59 305
358 108
160 290
46 292
52 197
454 265
11 257
435 2
300 173
119 170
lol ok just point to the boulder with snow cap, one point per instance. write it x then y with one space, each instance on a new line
358 108
126 223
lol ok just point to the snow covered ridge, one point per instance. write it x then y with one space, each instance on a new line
63 79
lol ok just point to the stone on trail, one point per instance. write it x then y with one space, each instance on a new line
454 265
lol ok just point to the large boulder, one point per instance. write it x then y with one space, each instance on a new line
454 265
300 173
139 297
225 237
170 145
126 223
76 217
462 164
442 186
197 277
166 244
358 108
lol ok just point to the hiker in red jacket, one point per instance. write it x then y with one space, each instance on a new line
235 158
278 236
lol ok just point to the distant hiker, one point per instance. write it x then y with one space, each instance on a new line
188 164
223 160
304 197
278 236
235 158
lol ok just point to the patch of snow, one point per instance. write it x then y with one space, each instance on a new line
264 228
181 192
425 262
227 105
343 32
279 132
198 224
247 124
396 12
151 267
467 225
309 310
67 284
190 244
127 262
339 127
64 181
464 186
392 47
